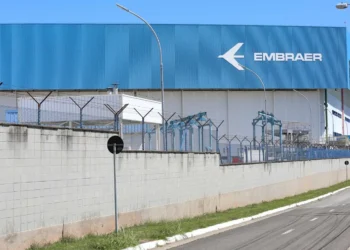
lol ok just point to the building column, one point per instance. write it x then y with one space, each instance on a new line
228 112
342 111
158 139
182 103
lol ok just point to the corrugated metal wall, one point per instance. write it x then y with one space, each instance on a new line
60 56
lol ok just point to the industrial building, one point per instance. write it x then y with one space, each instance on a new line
207 68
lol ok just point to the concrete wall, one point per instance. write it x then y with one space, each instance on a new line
56 182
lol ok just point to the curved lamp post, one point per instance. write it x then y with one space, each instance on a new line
342 6
263 85
161 62
310 112
332 119
262 82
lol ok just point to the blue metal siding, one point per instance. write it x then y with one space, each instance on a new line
93 56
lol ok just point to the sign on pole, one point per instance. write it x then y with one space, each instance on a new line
117 142
115 146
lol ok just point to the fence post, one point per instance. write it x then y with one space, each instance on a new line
116 115
165 147
205 124
217 134
210 139
149 141
229 156
199 138
246 148
173 139
81 110
39 105
184 129
143 127
218 139
191 139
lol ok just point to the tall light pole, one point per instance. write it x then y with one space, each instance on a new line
161 62
331 116
310 136
342 6
263 85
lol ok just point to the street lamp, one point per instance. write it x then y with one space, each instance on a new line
262 83
342 6
310 136
331 116
161 62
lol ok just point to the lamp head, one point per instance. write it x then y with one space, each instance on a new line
341 6
122 7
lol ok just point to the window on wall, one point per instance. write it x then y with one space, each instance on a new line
336 113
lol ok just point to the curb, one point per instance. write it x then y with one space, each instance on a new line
198 232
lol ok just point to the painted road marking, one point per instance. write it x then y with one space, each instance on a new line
289 231
314 219
332 210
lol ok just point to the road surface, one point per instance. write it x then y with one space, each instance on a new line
323 224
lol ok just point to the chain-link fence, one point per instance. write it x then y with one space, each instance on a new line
139 121
140 124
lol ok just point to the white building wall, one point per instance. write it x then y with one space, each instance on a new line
347 110
239 108
334 103
293 107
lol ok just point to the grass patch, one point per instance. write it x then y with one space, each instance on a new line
155 231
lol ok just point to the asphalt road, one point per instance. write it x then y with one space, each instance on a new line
323 224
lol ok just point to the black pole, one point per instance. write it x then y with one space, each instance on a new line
39 113
143 133
326 113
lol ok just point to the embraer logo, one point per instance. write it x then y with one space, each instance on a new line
230 56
